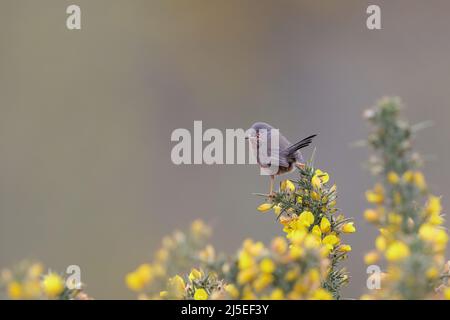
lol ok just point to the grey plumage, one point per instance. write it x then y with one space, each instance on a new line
288 154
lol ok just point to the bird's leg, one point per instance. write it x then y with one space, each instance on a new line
271 194
272 180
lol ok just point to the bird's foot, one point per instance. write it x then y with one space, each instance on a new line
265 195
300 166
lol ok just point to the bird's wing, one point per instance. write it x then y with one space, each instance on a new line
282 161
273 159
289 151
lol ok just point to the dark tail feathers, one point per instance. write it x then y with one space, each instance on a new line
301 144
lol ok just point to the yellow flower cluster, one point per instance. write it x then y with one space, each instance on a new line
412 240
177 254
283 271
309 204
143 275
176 289
23 281
28 281
198 286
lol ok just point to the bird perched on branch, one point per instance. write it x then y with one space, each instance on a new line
275 158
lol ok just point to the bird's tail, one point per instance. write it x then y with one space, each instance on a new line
301 144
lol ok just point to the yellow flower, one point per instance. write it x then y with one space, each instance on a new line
199 228
256 248
440 240
315 196
299 289
435 235
381 243
325 225
436 220
427 232
144 271
408 176
371 258
279 245
277 209
314 275
330 240
394 218
397 251
397 198
163 294
348 228
393 177
316 182
376 195
35 270
292 274
162 255
52 285
176 287
15 290
432 273
207 254
262 281
264 207
316 231
232 291
345 248
267 265
321 294
296 252
277 294
287 185
323 176
245 260
247 293
306 218
419 180
371 215
247 275
434 206
312 241
195 275
447 293
133 281
200 294
32 289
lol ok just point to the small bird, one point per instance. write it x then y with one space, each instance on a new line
288 156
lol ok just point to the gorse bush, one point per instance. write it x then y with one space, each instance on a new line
27 280
178 253
412 240
303 265
310 203
282 271
307 260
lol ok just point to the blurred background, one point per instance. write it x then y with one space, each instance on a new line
86 117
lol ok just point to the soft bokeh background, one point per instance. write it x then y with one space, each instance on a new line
86 117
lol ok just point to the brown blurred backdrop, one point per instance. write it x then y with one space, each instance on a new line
86 117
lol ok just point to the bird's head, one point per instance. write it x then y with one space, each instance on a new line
253 134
